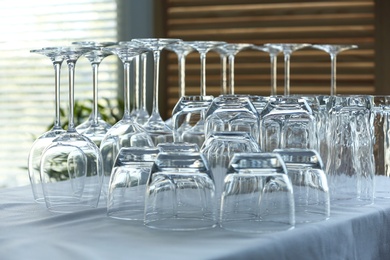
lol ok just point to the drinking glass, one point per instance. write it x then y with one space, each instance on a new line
231 50
288 49
223 62
310 186
95 127
39 145
178 147
257 194
273 51
158 130
126 132
180 193
75 157
350 166
287 122
219 149
127 186
333 50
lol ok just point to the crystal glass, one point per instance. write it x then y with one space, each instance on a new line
95 127
39 145
257 194
310 186
287 122
178 147
127 186
126 132
350 166
155 126
74 157
333 50
180 193
223 62
288 49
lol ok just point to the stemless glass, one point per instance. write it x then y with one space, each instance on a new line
350 165
178 147
95 127
39 145
126 132
310 186
180 193
75 157
159 131
333 50
127 187
288 49
257 194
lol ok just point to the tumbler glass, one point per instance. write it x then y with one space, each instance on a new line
257 194
127 186
310 186
180 193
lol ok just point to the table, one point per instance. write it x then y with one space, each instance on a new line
29 231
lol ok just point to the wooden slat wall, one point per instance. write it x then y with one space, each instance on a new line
259 22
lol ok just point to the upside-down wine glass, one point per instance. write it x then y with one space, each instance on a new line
333 50
34 158
126 132
75 157
273 52
155 126
231 50
95 127
288 49
223 62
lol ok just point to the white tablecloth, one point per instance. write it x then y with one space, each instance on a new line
29 231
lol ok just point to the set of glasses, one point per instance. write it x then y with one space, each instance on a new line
244 163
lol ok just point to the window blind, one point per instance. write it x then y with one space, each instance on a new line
266 21
27 80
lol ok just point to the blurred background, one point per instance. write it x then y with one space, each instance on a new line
27 80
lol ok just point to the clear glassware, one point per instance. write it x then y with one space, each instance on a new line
257 195
127 187
273 51
219 149
333 50
310 186
74 158
350 165
40 144
287 122
178 147
180 193
126 132
159 131
223 62
95 127
231 50
288 49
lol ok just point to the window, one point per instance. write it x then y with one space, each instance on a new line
27 80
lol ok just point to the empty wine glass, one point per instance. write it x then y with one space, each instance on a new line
95 127
223 62
273 51
231 50
34 158
126 132
75 157
156 127
333 50
288 49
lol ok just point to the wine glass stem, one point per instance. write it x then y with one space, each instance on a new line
156 81
274 64
57 72
231 74
144 57
71 68
182 64
287 74
203 73
95 69
333 74
126 90
136 83
223 74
